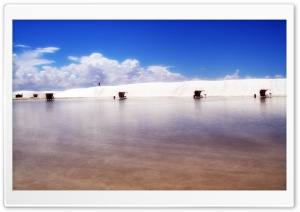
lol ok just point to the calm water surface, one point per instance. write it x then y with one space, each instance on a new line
150 144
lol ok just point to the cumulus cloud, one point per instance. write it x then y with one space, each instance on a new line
32 71
26 66
233 76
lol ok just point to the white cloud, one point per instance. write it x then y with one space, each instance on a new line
278 76
22 46
267 77
233 76
73 58
25 67
162 73
47 50
86 72
248 77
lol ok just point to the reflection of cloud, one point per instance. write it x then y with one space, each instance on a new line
233 76
86 72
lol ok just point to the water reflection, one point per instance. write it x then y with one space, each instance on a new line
262 100
158 143
49 106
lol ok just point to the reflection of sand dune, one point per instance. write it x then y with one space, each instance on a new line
245 87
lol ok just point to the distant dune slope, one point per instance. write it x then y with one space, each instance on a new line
243 87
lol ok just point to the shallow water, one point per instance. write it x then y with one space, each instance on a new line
150 144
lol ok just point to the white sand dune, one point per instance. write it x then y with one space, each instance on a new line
243 87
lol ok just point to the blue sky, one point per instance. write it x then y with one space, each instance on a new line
58 55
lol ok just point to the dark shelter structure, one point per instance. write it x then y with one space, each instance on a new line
197 94
19 95
263 94
35 95
49 96
122 95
